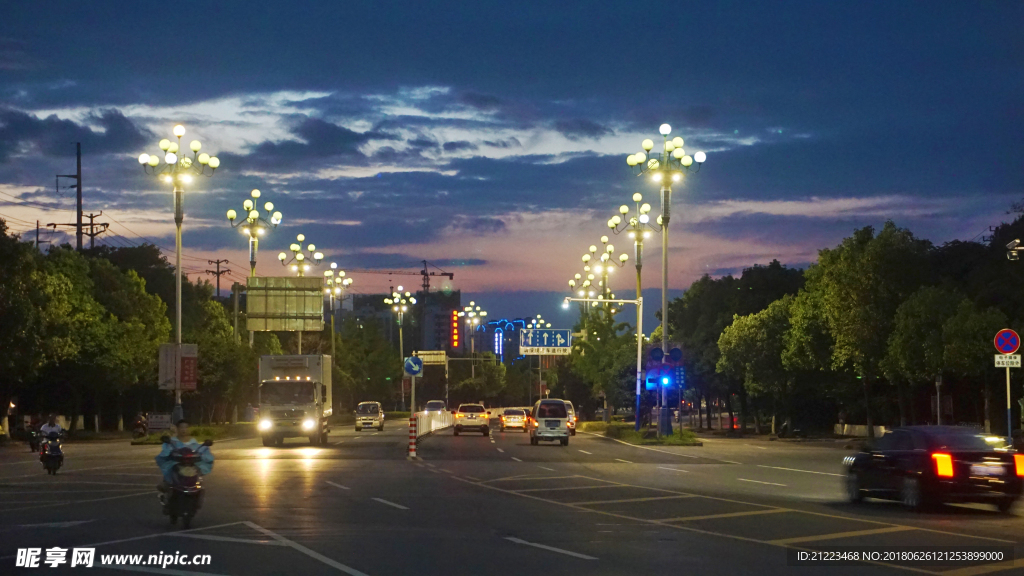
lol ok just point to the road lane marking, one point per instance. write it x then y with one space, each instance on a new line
672 469
227 539
429 465
446 471
435 471
726 515
383 501
67 502
311 553
534 477
500 450
585 452
338 485
798 470
567 488
654 449
148 570
546 468
835 535
516 459
984 569
56 524
621 460
550 548
760 482
473 478
625 500
758 447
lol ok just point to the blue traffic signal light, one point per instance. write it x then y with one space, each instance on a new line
665 381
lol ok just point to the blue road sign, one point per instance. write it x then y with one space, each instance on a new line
545 342
657 354
413 366
1007 341
675 354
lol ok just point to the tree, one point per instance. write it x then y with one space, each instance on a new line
606 358
861 283
967 344
915 351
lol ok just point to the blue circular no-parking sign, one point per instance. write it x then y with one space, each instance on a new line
1007 341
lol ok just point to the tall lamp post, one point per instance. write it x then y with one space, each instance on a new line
664 168
473 315
640 228
334 290
178 171
400 302
301 265
254 224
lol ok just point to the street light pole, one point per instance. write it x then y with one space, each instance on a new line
400 302
301 266
177 171
670 167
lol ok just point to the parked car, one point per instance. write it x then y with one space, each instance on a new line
925 465
369 415
472 417
548 422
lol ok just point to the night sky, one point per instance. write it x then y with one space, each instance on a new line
490 137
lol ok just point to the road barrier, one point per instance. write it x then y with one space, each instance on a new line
430 422
412 435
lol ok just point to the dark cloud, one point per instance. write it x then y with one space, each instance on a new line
480 101
458 146
320 140
422 142
480 225
507 143
580 128
54 136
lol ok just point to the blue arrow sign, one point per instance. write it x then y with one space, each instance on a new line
413 366
544 342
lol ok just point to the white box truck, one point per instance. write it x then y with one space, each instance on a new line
295 398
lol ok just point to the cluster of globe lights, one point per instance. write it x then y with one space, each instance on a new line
538 322
336 283
400 301
674 159
635 223
473 313
175 165
301 265
255 223
605 267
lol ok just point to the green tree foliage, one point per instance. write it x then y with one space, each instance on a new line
606 359
368 368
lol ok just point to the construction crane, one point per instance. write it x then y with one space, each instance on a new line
426 273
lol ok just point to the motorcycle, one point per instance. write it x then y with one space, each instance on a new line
184 496
140 430
50 454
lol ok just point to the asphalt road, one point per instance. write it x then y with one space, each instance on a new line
473 505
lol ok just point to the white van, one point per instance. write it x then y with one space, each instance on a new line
549 422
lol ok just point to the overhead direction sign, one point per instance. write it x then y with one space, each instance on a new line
413 366
533 342
433 357
1007 341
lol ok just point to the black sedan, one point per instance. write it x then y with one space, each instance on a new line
925 465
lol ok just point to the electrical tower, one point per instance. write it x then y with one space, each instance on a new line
218 272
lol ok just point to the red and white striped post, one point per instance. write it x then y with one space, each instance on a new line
412 436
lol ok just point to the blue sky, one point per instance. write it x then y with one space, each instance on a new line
491 138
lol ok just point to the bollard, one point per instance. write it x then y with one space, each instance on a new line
412 437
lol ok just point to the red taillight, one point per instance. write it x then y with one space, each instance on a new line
1018 461
943 465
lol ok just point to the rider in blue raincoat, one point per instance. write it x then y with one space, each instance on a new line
181 439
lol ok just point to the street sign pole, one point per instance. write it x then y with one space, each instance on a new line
1009 422
1007 342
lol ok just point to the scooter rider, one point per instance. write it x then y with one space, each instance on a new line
51 426
182 439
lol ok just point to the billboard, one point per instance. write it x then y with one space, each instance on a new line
285 304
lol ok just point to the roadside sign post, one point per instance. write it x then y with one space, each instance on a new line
413 368
1007 342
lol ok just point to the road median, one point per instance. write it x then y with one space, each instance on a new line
624 432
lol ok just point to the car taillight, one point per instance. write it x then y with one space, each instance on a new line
1018 461
943 465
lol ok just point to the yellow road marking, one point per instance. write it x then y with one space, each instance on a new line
648 499
726 515
532 477
835 535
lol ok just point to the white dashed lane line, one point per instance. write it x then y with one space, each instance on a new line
546 468
585 452
389 503
500 450
550 548
798 470
621 460
672 469
759 482
516 459
338 485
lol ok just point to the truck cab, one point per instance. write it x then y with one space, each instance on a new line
295 398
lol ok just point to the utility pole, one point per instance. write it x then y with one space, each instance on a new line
78 187
93 233
235 289
218 272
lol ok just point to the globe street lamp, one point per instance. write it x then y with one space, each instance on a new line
301 261
178 171
665 167
473 315
334 290
254 224
400 303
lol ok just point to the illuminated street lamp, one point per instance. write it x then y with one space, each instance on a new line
177 171
400 303
254 224
474 315
336 283
664 168
300 263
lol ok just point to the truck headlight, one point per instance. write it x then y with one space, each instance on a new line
265 424
308 424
